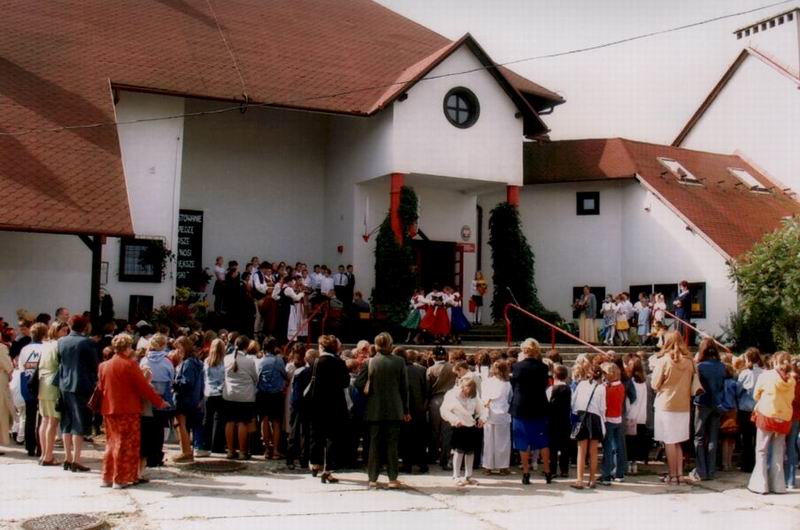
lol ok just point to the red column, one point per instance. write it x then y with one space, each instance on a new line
512 195
398 180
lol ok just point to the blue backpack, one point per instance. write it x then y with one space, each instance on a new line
729 401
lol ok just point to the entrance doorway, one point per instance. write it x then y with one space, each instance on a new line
440 263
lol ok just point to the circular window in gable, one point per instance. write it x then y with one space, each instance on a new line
461 107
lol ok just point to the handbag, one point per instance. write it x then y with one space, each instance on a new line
310 385
576 429
96 401
369 377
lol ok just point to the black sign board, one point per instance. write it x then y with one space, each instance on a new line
190 245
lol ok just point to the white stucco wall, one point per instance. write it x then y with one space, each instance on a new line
151 159
259 179
757 113
425 142
40 272
623 246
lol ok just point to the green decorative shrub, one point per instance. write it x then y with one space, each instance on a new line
394 275
513 272
768 281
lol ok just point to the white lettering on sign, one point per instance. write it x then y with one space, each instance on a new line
186 264
186 229
191 218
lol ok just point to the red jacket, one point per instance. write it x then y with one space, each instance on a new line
123 386
615 399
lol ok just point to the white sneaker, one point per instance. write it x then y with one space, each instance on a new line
200 453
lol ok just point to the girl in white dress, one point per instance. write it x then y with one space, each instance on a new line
496 396
297 312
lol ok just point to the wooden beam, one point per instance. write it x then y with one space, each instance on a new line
97 259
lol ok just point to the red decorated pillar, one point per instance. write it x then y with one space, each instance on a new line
512 195
397 183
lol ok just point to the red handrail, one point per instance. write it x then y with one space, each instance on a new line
701 332
304 324
553 328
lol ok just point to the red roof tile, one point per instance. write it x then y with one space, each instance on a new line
723 209
58 59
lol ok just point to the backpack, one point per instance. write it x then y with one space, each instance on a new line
729 401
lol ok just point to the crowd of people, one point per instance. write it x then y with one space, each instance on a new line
274 299
379 406
625 323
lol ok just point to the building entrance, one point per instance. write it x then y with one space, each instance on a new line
438 263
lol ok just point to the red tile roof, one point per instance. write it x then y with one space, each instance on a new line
724 210
59 59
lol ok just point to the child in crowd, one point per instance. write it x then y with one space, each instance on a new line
150 445
622 315
496 396
659 309
560 424
636 435
589 405
613 443
463 410
643 312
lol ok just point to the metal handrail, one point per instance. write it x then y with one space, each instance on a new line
323 306
553 328
701 332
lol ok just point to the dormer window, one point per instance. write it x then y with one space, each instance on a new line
679 171
747 179
461 107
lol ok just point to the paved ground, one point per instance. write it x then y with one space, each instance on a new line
265 494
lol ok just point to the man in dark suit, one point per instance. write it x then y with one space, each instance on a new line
77 377
441 378
385 384
683 306
412 434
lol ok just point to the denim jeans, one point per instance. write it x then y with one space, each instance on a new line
790 469
614 451
706 438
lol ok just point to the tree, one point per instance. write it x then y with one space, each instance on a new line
768 281
394 275
513 271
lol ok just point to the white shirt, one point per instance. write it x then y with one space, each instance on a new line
29 357
581 395
637 410
456 409
340 279
325 284
259 282
219 272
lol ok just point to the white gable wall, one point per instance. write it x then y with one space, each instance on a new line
781 42
623 246
425 142
757 113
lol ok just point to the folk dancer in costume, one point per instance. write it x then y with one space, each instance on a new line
260 291
412 321
297 328
479 287
587 305
458 322
435 321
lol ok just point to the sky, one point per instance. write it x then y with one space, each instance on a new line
645 90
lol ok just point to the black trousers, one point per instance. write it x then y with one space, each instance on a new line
560 451
31 431
324 436
214 425
298 446
747 431
412 443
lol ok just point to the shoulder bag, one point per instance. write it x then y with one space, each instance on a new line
582 416
309 387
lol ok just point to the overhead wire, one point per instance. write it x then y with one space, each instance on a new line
285 103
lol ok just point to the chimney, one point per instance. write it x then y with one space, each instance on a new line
777 37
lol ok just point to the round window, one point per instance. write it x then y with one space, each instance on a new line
461 107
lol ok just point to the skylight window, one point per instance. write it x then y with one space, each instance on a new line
678 170
747 179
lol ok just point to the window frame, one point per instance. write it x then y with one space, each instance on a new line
580 196
470 99
688 178
125 275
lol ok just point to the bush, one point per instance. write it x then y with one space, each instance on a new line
768 280
743 331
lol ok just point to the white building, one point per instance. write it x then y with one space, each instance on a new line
754 109
620 215
284 134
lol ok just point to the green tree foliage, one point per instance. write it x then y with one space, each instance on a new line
768 280
394 275
513 266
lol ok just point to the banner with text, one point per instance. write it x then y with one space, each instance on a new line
190 245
